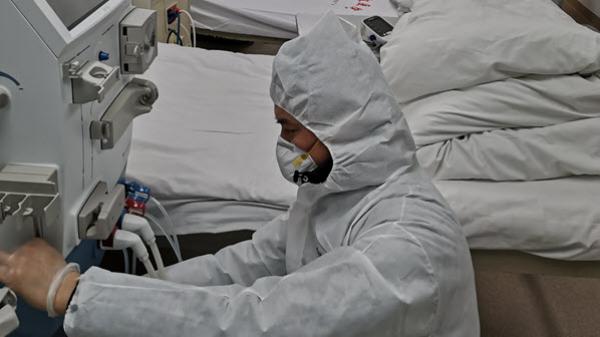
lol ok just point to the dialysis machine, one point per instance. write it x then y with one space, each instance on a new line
68 95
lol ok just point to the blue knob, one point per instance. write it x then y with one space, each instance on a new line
103 56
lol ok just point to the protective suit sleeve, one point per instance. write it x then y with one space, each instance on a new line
242 263
382 284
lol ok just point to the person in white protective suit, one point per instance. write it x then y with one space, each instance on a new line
369 248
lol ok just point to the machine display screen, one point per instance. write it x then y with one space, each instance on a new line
72 13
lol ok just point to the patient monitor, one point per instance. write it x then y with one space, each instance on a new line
68 95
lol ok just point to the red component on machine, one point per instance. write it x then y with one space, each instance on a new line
173 13
135 207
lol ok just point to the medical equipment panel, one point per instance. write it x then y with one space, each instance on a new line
66 107
67 101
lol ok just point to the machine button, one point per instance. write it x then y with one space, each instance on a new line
103 56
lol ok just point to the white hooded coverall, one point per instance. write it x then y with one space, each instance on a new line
373 251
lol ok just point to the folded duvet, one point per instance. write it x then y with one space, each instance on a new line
525 102
562 150
516 129
503 99
557 219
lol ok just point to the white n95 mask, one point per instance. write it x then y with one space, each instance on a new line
293 162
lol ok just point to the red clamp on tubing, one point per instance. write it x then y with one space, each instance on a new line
135 206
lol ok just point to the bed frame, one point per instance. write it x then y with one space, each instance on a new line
581 13
509 261
250 44
239 37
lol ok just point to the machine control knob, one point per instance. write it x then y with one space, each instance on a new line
103 56
4 97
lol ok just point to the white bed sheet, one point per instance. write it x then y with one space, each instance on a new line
277 18
211 136
194 216
215 16
207 150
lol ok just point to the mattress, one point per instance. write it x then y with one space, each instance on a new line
276 18
208 152
193 216
556 218
208 146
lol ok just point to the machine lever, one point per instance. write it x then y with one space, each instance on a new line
101 212
134 100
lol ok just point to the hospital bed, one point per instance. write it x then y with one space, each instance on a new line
216 150
276 19
214 168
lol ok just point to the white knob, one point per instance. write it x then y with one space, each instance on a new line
4 97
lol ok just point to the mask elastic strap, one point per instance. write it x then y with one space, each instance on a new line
312 148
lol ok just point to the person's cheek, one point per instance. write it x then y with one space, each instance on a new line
305 140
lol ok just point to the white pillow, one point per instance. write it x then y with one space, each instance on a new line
455 44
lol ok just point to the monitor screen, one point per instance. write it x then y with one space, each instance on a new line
73 12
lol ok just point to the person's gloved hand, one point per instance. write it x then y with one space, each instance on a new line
29 272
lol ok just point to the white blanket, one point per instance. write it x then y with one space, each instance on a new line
557 219
562 150
502 96
456 44
529 102
516 129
